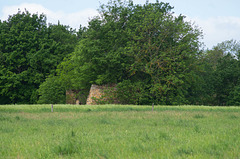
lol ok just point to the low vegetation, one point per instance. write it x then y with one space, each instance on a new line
114 131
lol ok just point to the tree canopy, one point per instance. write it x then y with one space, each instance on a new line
140 43
30 50
149 52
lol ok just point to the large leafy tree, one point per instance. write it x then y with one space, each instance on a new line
164 47
219 75
98 57
227 75
145 47
226 78
52 91
29 52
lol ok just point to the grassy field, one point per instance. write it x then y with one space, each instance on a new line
113 131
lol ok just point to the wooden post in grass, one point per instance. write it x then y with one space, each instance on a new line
152 106
52 108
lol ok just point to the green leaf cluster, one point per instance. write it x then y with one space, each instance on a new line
219 75
51 92
151 54
145 49
30 50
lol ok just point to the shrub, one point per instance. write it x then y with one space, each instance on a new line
52 91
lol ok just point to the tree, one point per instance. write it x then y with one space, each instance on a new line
98 57
229 47
164 47
234 96
219 74
66 41
52 91
137 43
226 78
29 52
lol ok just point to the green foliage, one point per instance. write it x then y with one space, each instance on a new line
164 47
234 96
98 58
20 38
153 55
218 76
29 52
130 41
52 91
229 47
133 93
226 78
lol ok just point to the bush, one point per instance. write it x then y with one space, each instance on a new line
133 93
234 96
52 91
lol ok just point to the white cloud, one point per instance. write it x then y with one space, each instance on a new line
219 29
77 18
33 8
72 19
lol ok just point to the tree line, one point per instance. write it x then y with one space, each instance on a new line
151 54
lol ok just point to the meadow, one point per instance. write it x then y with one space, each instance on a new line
116 131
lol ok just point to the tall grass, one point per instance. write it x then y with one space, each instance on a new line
109 108
108 131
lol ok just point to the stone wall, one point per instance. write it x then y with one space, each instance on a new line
71 97
76 96
97 94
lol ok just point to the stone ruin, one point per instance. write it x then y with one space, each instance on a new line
71 97
97 95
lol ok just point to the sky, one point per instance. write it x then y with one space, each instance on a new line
219 19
